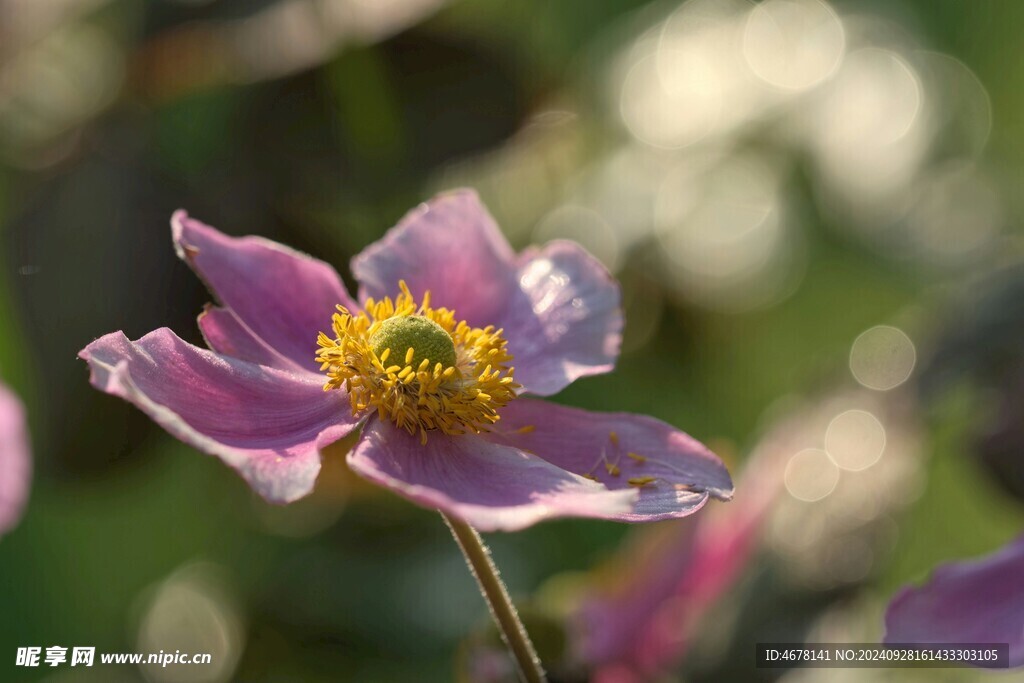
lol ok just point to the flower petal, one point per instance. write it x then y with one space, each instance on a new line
644 610
570 323
674 472
977 601
282 296
15 461
228 336
558 306
490 486
450 246
266 423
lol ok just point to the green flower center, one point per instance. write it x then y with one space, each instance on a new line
426 339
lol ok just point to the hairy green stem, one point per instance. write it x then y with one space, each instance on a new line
478 557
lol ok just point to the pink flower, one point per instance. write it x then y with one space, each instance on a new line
444 419
15 461
977 601
640 625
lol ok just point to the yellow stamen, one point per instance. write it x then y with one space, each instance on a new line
640 481
614 438
640 460
424 395
613 469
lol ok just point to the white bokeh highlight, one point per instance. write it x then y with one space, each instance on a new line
882 358
793 44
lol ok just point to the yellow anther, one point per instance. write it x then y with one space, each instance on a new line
640 481
591 477
640 460
614 438
613 469
526 429
461 395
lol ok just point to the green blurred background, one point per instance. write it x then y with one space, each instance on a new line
767 182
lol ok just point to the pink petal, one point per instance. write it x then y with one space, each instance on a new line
616 626
977 601
15 460
643 620
450 246
281 296
268 424
490 486
683 471
571 325
558 306
228 336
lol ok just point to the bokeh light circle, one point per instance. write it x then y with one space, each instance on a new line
855 440
882 358
793 44
811 475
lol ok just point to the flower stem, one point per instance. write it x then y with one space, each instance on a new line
478 558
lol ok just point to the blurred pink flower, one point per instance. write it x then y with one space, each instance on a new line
15 460
443 421
977 601
639 625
